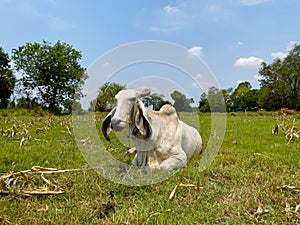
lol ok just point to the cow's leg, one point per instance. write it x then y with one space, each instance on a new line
130 151
135 160
140 158
175 161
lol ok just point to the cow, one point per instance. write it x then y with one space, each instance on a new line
161 139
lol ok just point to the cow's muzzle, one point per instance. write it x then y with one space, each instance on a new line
117 124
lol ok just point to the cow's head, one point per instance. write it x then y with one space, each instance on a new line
129 111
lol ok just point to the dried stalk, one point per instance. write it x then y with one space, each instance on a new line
23 183
290 132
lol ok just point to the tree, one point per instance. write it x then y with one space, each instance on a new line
52 72
244 97
272 85
252 99
73 106
92 107
292 67
216 100
161 104
280 83
155 100
181 102
203 103
7 79
106 97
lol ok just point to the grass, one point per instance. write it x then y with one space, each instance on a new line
254 179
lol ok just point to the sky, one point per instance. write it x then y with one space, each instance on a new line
231 37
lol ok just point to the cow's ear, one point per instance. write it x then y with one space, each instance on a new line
142 121
106 125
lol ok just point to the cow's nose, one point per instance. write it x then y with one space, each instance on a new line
115 121
116 124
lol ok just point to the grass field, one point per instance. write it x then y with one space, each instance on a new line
255 178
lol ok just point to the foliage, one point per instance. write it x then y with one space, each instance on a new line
203 103
280 83
50 71
216 100
92 107
181 102
229 102
73 105
161 104
155 100
106 97
7 79
213 101
244 97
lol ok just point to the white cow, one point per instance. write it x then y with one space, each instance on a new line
161 139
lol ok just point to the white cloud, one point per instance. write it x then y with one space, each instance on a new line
257 77
248 62
106 65
240 43
282 55
279 55
195 51
291 45
202 83
197 79
253 2
186 15
170 9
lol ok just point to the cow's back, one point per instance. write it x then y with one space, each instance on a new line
191 141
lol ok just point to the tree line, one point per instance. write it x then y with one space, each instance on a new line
279 88
52 78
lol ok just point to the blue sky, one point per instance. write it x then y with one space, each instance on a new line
231 36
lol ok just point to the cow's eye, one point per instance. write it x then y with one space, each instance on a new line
133 99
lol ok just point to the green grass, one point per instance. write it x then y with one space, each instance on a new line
243 185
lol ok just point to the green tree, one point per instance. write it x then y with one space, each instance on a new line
292 68
244 97
161 104
106 97
181 102
252 99
74 106
280 83
203 103
92 107
7 79
52 72
227 94
155 100
272 85
216 100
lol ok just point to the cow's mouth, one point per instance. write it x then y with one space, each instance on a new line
117 125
